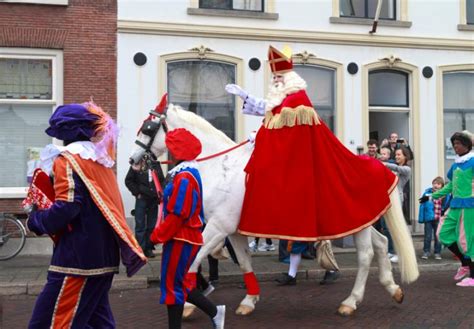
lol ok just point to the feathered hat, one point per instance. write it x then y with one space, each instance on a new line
84 122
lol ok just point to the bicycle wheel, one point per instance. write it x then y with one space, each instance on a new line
12 237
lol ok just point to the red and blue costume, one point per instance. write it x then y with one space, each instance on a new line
180 231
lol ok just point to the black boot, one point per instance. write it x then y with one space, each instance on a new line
330 277
286 280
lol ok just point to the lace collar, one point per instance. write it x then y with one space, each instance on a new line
183 165
85 149
464 158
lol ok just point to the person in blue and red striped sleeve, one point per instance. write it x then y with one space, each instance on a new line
181 231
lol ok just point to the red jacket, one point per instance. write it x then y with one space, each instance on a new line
183 214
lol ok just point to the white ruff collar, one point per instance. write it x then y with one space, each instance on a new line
183 165
86 150
464 158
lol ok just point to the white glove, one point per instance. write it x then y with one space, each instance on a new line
252 136
236 90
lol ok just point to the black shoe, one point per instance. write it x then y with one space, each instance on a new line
286 280
149 254
215 283
330 277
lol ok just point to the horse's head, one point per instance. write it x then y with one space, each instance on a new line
150 142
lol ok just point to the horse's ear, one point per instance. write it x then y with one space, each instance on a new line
160 108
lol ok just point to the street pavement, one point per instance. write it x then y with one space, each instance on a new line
433 301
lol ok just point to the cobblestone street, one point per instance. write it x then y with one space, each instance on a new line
433 301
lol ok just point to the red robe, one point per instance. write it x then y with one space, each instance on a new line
304 184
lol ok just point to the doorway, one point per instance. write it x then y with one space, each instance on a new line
381 125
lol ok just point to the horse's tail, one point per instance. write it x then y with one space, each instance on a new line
401 239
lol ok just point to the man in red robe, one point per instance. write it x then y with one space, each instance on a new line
303 184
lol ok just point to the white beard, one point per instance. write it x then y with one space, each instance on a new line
276 95
279 90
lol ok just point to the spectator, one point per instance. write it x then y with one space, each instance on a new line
394 142
386 154
403 171
140 183
372 149
430 214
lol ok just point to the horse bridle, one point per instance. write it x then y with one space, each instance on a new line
151 128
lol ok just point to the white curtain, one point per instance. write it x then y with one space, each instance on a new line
198 86
21 137
25 78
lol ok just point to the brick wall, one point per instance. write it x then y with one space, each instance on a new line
86 31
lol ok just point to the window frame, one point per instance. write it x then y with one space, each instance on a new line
441 71
400 20
207 60
463 23
413 109
267 12
407 89
163 61
366 13
57 65
41 2
232 9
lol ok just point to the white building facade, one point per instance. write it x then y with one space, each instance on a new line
414 76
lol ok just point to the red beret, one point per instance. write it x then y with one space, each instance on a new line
182 144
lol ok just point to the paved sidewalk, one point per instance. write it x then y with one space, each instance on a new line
27 274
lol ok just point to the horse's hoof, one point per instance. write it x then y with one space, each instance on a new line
244 310
398 296
345 310
188 310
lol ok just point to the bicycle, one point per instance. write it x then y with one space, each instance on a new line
12 236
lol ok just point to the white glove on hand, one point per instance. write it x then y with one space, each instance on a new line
236 90
252 136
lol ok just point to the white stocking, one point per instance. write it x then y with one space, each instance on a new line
295 260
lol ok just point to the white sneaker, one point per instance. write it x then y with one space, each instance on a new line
219 319
208 290
253 246
394 259
270 247
266 247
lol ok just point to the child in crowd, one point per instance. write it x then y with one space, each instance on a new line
430 214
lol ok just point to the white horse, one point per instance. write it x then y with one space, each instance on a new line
223 186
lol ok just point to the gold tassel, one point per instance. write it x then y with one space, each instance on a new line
290 117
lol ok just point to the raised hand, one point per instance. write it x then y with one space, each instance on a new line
236 90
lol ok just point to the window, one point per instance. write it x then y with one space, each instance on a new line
28 94
321 90
198 86
367 8
41 2
470 11
25 78
458 106
251 5
388 88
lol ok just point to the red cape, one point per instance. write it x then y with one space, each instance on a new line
304 184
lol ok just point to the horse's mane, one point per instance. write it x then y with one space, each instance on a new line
200 123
